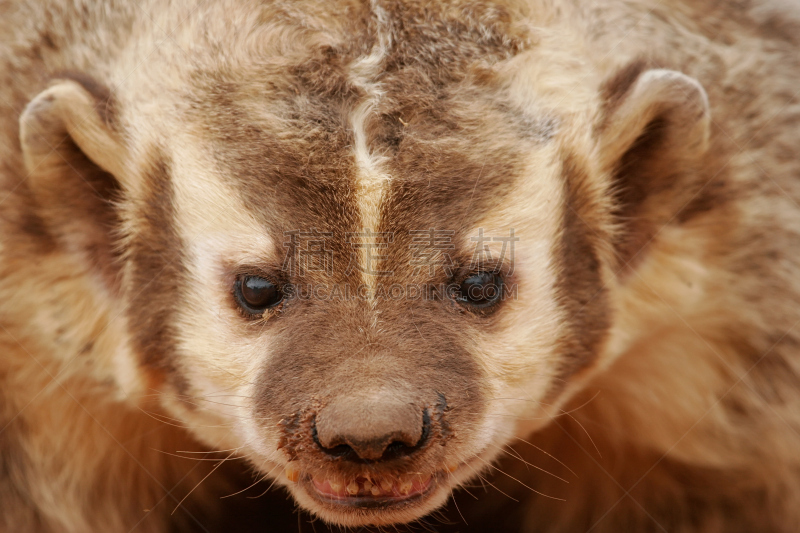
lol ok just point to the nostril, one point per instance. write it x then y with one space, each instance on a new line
369 451
343 451
397 449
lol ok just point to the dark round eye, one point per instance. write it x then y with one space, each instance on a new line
256 294
481 290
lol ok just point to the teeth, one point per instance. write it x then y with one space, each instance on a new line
405 486
452 467
292 472
366 485
335 486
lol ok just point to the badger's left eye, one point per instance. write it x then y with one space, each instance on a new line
480 290
256 294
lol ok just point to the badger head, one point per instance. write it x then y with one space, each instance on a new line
364 251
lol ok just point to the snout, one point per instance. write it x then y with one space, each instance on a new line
380 438
369 451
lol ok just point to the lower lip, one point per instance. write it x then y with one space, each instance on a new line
417 491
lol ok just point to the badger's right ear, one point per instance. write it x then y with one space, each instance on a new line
651 134
75 160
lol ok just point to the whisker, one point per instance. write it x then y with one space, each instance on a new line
530 464
155 416
516 453
190 458
258 480
484 480
211 451
587 402
200 482
498 490
270 485
554 458
520 482
452 497
201 399
587 435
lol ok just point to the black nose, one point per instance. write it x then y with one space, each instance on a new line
371 429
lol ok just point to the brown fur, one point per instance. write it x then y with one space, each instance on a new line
151 154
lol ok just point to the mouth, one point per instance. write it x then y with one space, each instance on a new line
369 491
371 496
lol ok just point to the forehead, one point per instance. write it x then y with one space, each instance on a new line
397 125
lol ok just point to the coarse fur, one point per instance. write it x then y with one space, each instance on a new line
642 152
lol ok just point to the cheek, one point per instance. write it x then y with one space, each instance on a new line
520 351
214 336
219 352
220 367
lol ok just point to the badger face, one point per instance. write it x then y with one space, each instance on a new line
354 311
368 261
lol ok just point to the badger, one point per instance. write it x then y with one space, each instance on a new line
373 252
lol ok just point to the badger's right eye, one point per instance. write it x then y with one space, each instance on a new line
255 294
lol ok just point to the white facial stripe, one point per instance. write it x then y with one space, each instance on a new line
372 181
213 225
372 184
207 207
218 360
532 318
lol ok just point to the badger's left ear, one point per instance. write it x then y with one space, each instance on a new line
75 159
652 132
